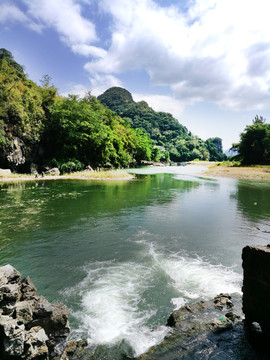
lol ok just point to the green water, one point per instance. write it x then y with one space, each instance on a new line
123 254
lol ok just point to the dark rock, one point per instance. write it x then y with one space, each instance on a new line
30 327
198 330
28 289
256 286
12 337
35 344
75 350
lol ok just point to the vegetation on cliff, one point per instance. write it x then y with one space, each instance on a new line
38 126
164 130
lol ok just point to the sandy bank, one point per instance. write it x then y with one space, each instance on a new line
119 176
248 172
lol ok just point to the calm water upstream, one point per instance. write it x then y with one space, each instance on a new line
123 255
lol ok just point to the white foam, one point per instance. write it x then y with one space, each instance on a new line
112 302
111 308
196 278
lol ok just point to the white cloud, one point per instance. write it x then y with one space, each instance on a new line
88 50
216 52
162 103
66 18
77 89
100 83
9 13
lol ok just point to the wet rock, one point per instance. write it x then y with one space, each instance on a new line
223 301
198 331
76 350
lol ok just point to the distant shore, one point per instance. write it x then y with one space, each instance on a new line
239 172
212 169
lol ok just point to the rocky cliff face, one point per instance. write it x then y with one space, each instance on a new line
30 326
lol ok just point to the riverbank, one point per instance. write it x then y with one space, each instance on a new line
256 172
239 172
212 169
81 175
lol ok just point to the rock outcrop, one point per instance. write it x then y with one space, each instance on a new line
207 329
30 326
53 171
256 286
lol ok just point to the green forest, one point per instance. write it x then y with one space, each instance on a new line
178 144
254 145
39 126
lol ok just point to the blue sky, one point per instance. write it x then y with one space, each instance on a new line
205 61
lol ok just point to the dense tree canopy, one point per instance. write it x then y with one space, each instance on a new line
37 125
254 146
164 130
214 146
85 130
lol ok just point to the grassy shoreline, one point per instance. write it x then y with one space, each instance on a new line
81 175
213 169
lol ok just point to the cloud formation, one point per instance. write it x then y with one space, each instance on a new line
65 17
217 52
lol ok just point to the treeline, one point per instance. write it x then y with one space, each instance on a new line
163 129
39 126
254 145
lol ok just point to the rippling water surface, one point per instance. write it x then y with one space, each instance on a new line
123 255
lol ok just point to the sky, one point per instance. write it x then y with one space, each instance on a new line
207 62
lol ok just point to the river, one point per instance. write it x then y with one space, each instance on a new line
123 254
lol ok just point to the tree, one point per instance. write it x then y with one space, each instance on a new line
85 130
254 146
7 55
214 146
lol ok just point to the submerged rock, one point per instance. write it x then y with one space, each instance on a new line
30 326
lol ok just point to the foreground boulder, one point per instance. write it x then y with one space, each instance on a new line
30 326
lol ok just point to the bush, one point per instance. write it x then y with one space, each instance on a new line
70 166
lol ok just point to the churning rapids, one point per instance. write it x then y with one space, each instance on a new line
122 255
